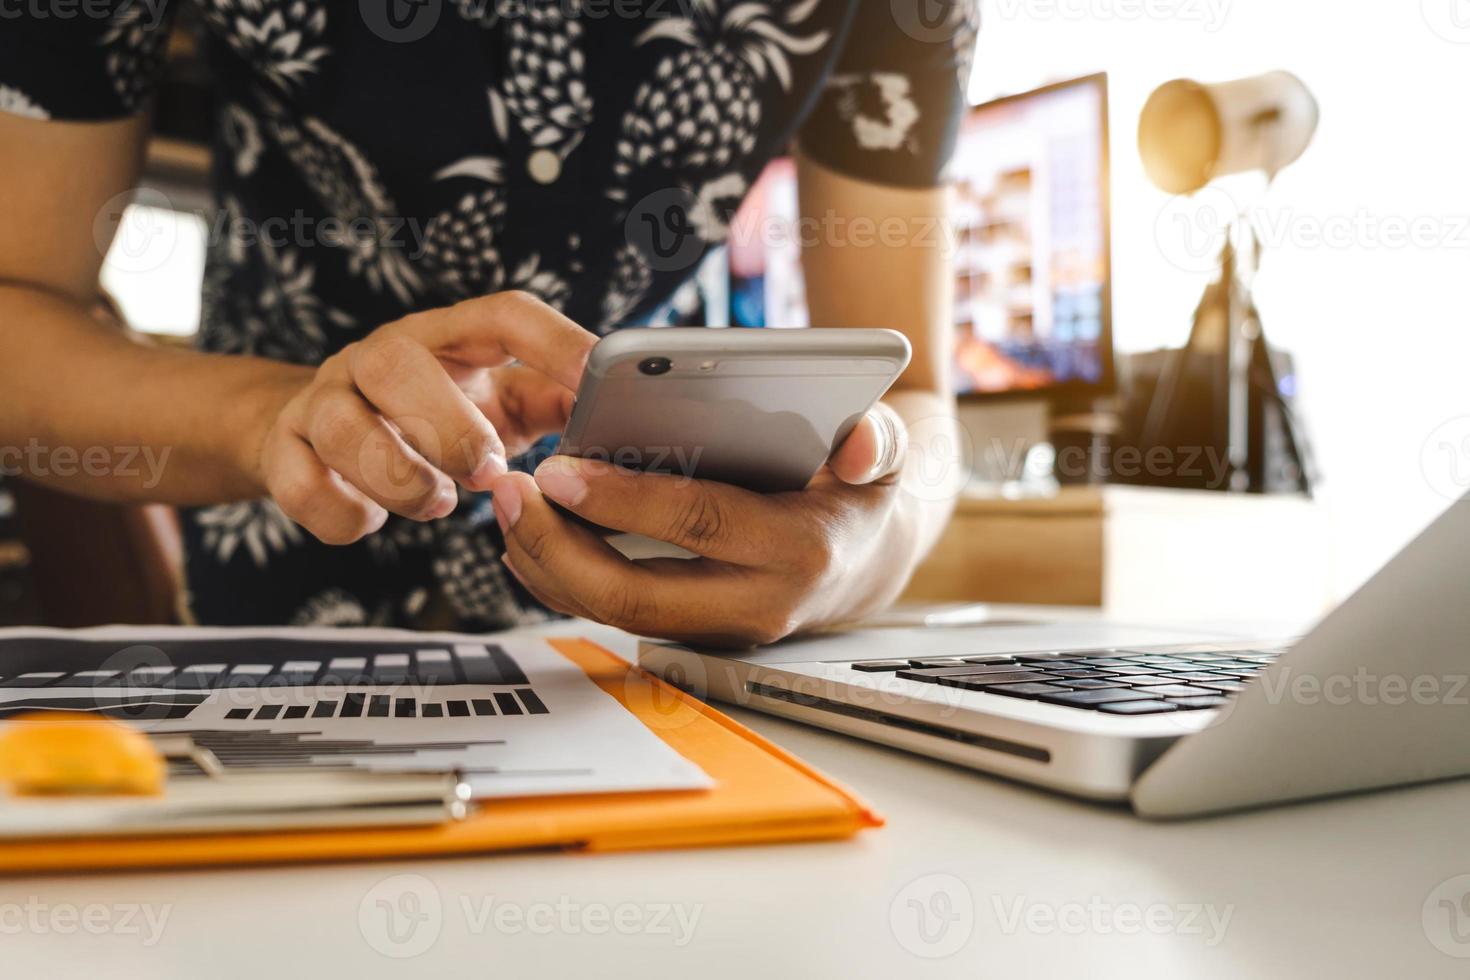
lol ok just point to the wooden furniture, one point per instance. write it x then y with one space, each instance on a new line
1141 553
95 563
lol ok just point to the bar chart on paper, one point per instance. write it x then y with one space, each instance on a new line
515 718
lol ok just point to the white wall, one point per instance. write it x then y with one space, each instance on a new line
1379 326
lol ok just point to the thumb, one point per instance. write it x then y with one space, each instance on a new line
875 449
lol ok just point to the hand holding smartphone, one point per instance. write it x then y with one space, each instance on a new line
758 408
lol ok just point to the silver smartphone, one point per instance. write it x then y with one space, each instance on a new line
759 408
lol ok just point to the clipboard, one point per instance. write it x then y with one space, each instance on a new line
762 795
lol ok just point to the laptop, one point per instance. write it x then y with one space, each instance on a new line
1173 723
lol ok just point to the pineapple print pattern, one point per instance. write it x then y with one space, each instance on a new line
134 52
545 87
694 123
281 38
349 185
283 318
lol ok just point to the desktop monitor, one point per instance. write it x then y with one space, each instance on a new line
1030 238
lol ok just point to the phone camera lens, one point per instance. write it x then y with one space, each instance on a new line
655 365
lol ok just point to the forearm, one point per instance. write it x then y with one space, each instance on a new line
87 409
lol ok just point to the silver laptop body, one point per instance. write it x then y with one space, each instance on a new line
1375 695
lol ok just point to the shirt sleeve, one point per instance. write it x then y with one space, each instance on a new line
889 111
88 61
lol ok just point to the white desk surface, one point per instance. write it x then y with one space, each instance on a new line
1015 883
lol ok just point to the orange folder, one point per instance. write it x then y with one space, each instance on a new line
762 795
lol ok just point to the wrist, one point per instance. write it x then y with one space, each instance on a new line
250 414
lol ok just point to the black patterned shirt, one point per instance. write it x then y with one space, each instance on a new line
379 157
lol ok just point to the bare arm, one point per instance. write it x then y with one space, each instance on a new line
878 256
71 382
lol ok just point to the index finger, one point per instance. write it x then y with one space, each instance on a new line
492 330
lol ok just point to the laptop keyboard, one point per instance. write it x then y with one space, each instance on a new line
1124 681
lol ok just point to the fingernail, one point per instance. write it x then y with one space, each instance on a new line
507 504
560 480
494 466
444 504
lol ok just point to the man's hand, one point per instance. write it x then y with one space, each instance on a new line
768 565
393 422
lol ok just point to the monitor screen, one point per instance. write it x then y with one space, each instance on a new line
1030 238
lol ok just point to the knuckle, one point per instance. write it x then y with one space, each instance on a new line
377 361
771 626
514 300
333 422
535 542
619 604
296 496
698 522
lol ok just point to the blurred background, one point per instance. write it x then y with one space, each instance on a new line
1379 328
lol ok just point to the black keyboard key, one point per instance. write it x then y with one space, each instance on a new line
378 706
324 709
932 674
1196 675
507 703
267 712
989 658
237 714
405 708
1074 674
1032 657
879 666
296 711
1201 702
1228 687
1137 707
352 703
1031 690
981 682
1088 699
1087 684
457 709
1145 680
482 706
937 662
1178 691
433 711
1106 662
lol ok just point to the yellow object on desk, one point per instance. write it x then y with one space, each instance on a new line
83 754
